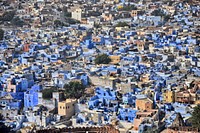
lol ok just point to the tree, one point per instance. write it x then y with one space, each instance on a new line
57 23
72 21
1 34
74 89
158 12
68 14
166 17
195 117
17 22
97 25
121 24
8 16
102 59
47 93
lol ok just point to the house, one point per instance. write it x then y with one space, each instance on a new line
31 96
104 99
77 14
39 115
50 103
144 104
184 97
129 99
127 114
115 59
105 81
67 108
169 96
9 102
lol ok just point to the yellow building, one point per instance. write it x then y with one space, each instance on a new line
105 81
115 59
169 96
67 107
197 102
144 104
21 67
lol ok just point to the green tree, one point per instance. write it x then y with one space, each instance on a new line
68 14
58 23
121 24
17 22
166 17
74 89
195 117
72 21
158 12
47 93
102 59
97 25
8 16
1 34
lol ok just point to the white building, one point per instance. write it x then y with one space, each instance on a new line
77 14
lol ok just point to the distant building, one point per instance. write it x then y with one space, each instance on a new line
31 96
77 14
115 59
103 129
67 108
101 81
169 96
144 104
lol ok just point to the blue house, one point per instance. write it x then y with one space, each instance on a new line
104 99
31 96
127 114
24 84
129 99
89 44
10 102
84 78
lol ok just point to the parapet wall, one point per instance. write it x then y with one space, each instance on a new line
104 129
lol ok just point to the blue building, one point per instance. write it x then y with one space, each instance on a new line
127 114
129 99
104 99
31 96
10 102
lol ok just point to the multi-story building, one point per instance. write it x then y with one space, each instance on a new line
144 104
77 14
67 108
169 96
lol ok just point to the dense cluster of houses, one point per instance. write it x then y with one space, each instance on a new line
151 84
